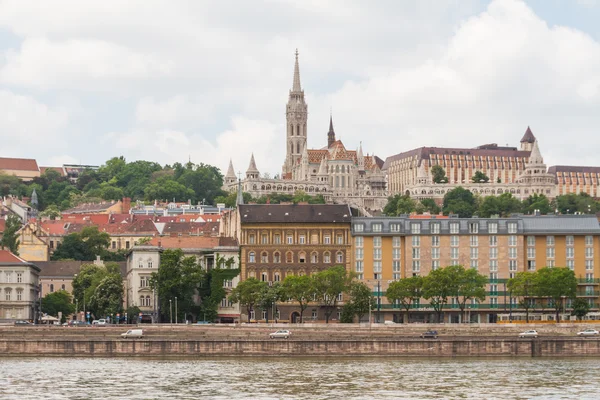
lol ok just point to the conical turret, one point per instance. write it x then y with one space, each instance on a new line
361 158
252 171
535 158
527 140
230 177
296 85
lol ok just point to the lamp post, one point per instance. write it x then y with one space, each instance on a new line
76 310
175 310
171 311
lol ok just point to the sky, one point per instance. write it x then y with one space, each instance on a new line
179 80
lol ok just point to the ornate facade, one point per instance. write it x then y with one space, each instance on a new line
340 175
521 172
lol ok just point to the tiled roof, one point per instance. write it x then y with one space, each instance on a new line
528 136
57 169
69 268
84 218
19 164
571 168
315 156
298 213
144 226
54 228
7 257
191 228
90 207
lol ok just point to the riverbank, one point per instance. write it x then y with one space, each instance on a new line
339 340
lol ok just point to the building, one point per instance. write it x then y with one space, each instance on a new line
19 291
340 175
573 179
521 171
387 249
23 168
278 240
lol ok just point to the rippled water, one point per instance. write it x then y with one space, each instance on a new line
298 378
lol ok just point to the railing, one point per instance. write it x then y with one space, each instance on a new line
582 281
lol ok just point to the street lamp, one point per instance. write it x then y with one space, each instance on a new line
171 310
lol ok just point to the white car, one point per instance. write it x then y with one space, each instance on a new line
97 322
280 334
588 332
531 333
133 333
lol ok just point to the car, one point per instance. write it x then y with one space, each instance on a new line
77 323
389 322
22 323
97 322
530 333
133 333
588 332
429 334
280 334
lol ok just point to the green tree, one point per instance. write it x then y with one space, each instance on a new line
524 287
438 287
430 206
269 296
470 285
178 277
10 238
438 174
58 302
480 177
580 308
405 205
231 198
248 294
107 298
391 208
211 290
132 313
51 212
83 246
328 285
405 291
300 289
459 201
361 299
168 189
503 205
556 284
537 202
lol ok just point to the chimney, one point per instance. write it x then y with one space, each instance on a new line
126 205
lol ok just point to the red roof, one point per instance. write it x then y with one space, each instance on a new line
8 257
19 164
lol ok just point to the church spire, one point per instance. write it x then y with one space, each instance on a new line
252 171
296 86
331 133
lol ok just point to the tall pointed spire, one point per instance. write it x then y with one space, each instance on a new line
535 157
360 158
331 133
296 86
252 171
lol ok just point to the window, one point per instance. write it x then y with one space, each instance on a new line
493 227
51 288
113 244
435 253
512 227
589 240
530 240
550 252
264 277
454 253
327 258
493 276
127 244
289 257
289 239
415 228
302 239
327 239
435 241
512 240
549 240
394 227
264 257
264 239
359 241
377 241
376 253
7 294
251 239
140 263
571 264
396 253
493 253
474 264
531 252
589 276
314 257
359 266
19 295
276 257
473 227
359 227
435 264
531 265
474 240
277 238
589 264
62 287
512 252
416 253
454 228
416 241
377 227
550 263
512 265
339 239
589 252
570 252
19 277
277 277
435 228
144 281
149 263
493 265
396 241
339 257
493 240
570 240
251 257
395 266
359 251
474 252
416 266
454 241
377 266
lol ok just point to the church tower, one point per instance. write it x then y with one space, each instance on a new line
296 115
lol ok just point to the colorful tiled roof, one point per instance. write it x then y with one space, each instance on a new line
315 156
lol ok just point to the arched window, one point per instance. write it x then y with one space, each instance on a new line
148 303
314 257
289 257
339 257
140 263
251 257
142 301
276 257
302 257
62 287
337 168
343 169
51 288
277 277
326 257
264 257
150 263
264 277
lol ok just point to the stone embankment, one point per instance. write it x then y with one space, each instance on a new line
306 340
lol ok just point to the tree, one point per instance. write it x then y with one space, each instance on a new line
328 285
580 308
300 289
503 205
83 246
405 291
178 277
361 299
100 288
537 202
132 313
391 208
58 302
268 297
524 287
438 174
470 285
405 205
51 212
459 201
480 177
430 206
557 284
10 238
438 286
248 293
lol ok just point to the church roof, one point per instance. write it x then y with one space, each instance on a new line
315 156
296 85
230 170
528 136
252 166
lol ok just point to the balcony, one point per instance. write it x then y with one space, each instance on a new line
586 281
589 293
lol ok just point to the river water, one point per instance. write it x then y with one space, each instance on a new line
298 378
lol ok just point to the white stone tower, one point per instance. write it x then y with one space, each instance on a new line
296 114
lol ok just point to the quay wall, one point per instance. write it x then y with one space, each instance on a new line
455 347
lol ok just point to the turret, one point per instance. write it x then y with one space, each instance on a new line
230 178
527 140
331 133
252 171
361 158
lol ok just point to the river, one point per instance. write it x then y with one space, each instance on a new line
298 378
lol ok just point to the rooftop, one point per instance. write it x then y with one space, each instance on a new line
295 213
19 164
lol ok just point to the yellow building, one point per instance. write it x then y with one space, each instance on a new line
387 249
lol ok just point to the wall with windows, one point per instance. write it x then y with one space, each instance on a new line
19 291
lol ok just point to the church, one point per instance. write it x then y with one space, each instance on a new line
340 175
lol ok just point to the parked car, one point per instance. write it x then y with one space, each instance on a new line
133 333
77 323
22 323
280 334
97 322
588 332
530 333
430 334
